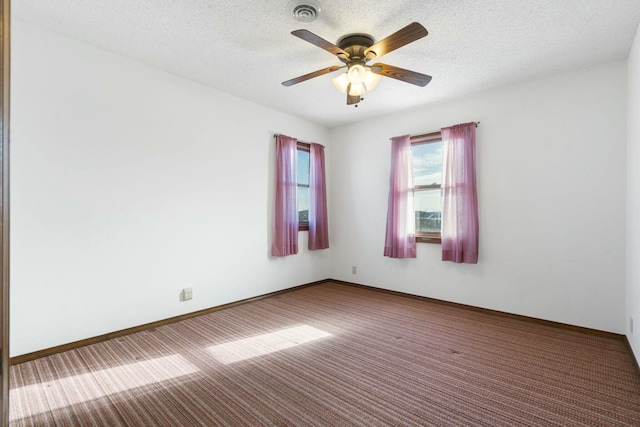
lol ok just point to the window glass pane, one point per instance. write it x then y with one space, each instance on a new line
303 186
303 204
303 167
427 163
428 210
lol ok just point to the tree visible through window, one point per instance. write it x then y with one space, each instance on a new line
303 186
426 152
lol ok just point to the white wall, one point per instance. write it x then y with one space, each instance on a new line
129 184
551 174
633 198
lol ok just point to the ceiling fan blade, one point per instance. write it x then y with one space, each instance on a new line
308 36
408 34
352 99
397 73
311 75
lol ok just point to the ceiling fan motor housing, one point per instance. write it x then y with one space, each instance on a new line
354 45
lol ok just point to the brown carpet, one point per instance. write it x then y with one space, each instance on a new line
335 355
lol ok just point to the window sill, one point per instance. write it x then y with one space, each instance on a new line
429 239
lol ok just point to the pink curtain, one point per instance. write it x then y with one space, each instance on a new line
459 194
318 223
400 240
285 232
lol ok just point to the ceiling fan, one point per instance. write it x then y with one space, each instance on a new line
355 50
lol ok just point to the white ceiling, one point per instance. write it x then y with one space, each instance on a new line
245 48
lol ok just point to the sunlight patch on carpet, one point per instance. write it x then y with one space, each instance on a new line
262 344
50 395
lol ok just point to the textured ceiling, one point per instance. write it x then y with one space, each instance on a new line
245 47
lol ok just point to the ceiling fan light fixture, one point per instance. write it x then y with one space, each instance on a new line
341 82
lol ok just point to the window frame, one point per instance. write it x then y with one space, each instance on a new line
302 146
429 138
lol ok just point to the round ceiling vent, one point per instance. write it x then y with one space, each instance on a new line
304 10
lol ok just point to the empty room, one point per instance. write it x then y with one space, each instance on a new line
321 213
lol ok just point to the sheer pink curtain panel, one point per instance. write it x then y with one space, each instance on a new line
459 194
285 230
318 221
400 239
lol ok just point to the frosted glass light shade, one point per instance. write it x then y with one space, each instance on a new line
341 82
357 73
371 80
357 89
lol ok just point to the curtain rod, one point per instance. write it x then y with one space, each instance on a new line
432 134
275 135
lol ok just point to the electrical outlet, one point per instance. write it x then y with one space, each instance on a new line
187 294
354 270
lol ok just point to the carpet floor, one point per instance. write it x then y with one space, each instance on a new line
335 355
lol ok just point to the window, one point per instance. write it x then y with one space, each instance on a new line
303 151
426 152
300 197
